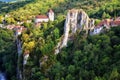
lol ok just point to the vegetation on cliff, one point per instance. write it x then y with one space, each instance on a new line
94 57
85 58
8 54
89 58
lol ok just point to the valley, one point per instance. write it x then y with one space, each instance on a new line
60 40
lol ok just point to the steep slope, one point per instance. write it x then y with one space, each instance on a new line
76 20
96 57
8 54
28 9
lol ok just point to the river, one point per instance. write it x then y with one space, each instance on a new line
2 76
6 0
11 0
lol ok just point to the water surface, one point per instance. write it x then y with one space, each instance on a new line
2 76
11 0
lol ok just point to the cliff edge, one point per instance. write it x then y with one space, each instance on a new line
76 19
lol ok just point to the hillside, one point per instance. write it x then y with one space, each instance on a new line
28 9
86 57
93 58
31 54
8 54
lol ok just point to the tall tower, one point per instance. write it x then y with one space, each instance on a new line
51 15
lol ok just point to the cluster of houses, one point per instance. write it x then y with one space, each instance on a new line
38 20
18 29
107 23
44 18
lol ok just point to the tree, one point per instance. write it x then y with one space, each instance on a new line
69 77
97 21
71 69
25 37
10 20
56 34
29 46
114 75
1 19
27 25
105 15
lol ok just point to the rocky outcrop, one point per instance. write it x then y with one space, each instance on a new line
76 19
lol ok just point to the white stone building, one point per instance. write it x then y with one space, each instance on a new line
45 18
97 30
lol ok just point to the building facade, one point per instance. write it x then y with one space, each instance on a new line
45 18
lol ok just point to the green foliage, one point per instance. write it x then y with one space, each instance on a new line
40 42
97 21
92 58
114 75
1 19
26 10
10 20
8 53
106 11
104 15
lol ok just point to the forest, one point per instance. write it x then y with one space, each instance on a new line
28 9
87 57
8 53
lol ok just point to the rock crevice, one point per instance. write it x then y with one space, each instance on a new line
76 19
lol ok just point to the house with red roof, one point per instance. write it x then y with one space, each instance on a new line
45 18
19 29
115 23
107 23
10 26
117 19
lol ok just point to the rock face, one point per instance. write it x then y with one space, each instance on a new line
76 19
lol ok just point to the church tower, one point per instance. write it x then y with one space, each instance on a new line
51 15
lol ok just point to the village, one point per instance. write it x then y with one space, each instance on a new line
59 39
50 16
37 22
107 23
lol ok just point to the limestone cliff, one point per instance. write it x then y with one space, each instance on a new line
76 19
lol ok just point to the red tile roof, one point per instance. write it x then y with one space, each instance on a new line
105 22
117 19
115 22
42 16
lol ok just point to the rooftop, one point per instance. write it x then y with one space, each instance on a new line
42 16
